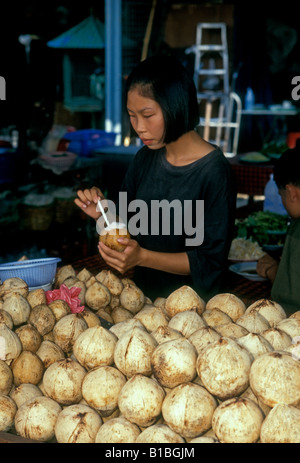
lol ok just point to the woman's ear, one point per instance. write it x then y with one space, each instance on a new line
292 192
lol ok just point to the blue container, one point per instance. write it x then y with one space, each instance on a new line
35 272
84 142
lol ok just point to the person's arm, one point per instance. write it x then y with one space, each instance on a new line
267 267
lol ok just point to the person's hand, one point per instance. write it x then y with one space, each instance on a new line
267 267
122 261
87 201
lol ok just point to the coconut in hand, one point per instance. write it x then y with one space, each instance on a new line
111 233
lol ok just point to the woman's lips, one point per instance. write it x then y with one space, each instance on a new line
147 141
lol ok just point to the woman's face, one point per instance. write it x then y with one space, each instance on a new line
146 118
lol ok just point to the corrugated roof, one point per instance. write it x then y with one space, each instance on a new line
90 33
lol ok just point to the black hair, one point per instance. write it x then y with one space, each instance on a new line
164 79
287 168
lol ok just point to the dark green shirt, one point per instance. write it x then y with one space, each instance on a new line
286 287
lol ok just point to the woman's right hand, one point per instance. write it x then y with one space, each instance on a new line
87 201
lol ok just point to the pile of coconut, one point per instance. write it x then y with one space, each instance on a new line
173 370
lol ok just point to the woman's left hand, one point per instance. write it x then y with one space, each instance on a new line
122 261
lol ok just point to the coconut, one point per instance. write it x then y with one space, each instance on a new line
36 297
97 296
30 337
8 410
6 378
132 298
10 344
36 419
77 424
270 310
62 274
165 333
42 318
18 307
91 318
117 431
286 370
223 367
159 434
249 394
253 321
231 330
291 326
295 314
174 362
63 381
119 328
151 317
101 387
6 318
111 281
204 440
186 322
24 392
95 347
27 368
281 426
119 314
133 350
203 337
277 338
67 330
84 275
238 421
60 308
255 343
228 303
140 400
215 317
13 285
49 352
188 409
184 298
110 235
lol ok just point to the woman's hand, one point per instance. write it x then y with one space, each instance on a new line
125 260
87 201
267 267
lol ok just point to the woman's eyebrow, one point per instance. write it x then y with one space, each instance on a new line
146 108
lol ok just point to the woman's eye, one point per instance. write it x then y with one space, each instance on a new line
146 116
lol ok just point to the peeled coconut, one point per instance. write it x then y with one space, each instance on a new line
119 314
36 419
110 235
62 381
228 303
91 318
165 333
97 296
174 362
151 317
253 321
286 371
84 275
6 318
24 392
42 318
270 310
186 322
27 368
277 338
60 308
238 421
202 337
95 347
13 285
119 328
249 394
67 330
291 326
49 352
140 400
8 410
255 343
133 351
101 388
117 431
188 409
159 434
111 281
231 330
204 440
104 315
18 307
6 378
223 367
281 426
77 424
29 337
62 274
132 298
184 298
10 344
215 317
36 297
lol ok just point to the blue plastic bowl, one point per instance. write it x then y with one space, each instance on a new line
35 272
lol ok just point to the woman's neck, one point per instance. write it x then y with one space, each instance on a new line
186 149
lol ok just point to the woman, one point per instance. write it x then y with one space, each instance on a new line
175 166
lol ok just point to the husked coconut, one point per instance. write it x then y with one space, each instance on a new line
6 318
84 275
8 410
202 337
101 388
97 296
237 421
24 392
91 318
223 367
13 285
119 328
67 330
253 321
27 368
215 317
277 338
255 343
204 440
165 333
36 297
151 317
231 330
295 314
30 337
132 353
228 303
286 370
140 400
109 236
95 347
60 308
18 307
132 298
62 273
174 362
117 431
270 310
42 318
159 434
62 381
281 426
36 419
6 378
91 281
249 394
184 298
111 281
119 314
77 424
291 326
74 282
49 352
186 322
188 409
11 346
103 314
